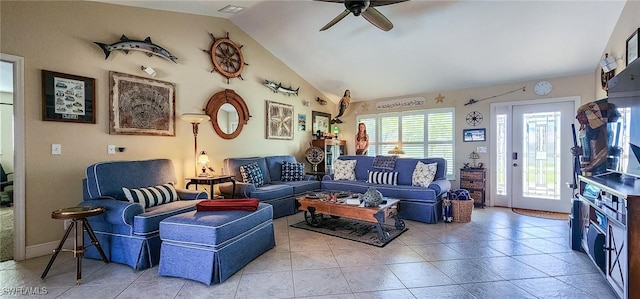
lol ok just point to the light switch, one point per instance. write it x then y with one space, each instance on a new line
111 149
481 149
56 149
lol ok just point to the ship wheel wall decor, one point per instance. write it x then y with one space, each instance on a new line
474 118
227 57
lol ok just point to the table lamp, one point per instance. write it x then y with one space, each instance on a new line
203 160
396 151
474 156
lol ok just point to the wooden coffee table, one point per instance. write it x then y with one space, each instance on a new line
315 210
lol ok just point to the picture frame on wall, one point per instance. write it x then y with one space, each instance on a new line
320 121
280 121
141 106
473 135
68 98
633 44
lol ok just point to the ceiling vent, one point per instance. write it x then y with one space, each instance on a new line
232 9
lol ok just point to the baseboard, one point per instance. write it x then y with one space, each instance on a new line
46 248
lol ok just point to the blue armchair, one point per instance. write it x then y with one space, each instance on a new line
129 233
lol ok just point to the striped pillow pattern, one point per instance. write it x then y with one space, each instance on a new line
151 196
382 177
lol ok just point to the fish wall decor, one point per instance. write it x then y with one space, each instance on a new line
125 44
277 87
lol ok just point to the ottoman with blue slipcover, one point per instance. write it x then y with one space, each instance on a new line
210 246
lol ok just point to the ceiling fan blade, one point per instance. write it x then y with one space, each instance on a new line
377 19
336 20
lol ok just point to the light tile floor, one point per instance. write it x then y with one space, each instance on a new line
499 254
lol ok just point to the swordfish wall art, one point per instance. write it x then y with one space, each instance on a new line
125 44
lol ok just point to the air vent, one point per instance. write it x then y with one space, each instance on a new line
232 9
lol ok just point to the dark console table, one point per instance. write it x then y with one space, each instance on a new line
605 224
211 181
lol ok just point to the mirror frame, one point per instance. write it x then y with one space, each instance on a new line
231 97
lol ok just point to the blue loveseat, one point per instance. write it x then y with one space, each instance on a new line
281 195
129 233
422 204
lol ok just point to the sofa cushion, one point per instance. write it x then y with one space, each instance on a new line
231 166
274 166
423 174
292 171
148 222
271 191
383 177
300 187
344 170
151 196
385 162
252 174
394 191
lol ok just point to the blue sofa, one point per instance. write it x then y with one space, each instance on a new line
127 232
281 195
416 203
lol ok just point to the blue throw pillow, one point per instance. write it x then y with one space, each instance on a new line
151 196
252 174
292 171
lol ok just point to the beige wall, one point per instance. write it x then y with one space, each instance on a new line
628 23
59 36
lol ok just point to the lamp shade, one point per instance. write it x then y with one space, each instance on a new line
474 155
608 63
203 159
195 118
396 151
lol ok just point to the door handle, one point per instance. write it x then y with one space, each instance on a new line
515 164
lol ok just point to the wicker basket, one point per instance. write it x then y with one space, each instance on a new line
462 210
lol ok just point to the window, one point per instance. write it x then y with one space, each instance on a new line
421 133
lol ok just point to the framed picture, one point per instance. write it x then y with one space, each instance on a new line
68 98
302 122
141 106
279 121
470 135
633 44
320 121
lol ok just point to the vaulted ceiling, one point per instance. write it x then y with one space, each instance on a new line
434 46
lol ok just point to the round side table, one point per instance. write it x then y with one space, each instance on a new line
77 214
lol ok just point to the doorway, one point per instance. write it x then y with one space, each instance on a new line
13 67
532 159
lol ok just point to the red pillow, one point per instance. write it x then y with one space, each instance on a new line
228 205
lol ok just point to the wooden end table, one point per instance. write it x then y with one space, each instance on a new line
315 209
211 181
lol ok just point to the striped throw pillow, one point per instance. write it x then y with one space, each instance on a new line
151 196
383 177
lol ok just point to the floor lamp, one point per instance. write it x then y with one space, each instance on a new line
195 119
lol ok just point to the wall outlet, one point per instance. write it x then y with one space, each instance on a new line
56 149
111 149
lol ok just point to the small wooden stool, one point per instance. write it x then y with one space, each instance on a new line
77 214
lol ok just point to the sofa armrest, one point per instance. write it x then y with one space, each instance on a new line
185 194
309 177
440 186
116 211
242 189
327 177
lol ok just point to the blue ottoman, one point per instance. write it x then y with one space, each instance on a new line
211 246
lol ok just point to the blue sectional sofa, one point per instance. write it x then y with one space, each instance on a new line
422 204
281 195
127 232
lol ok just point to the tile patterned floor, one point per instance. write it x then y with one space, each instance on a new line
499 254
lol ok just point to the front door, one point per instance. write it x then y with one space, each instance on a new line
541 161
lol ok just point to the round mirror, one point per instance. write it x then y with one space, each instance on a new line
227 118
228 113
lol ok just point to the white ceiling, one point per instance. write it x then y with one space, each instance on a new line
435 45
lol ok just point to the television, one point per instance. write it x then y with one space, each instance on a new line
624 132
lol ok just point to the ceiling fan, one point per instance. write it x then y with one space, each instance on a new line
366 8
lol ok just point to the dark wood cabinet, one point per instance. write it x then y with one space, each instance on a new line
333 148
474 180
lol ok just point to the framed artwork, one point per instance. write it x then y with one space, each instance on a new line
470 135
302 122
68 98
141 106
320 121
633 43
279 121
